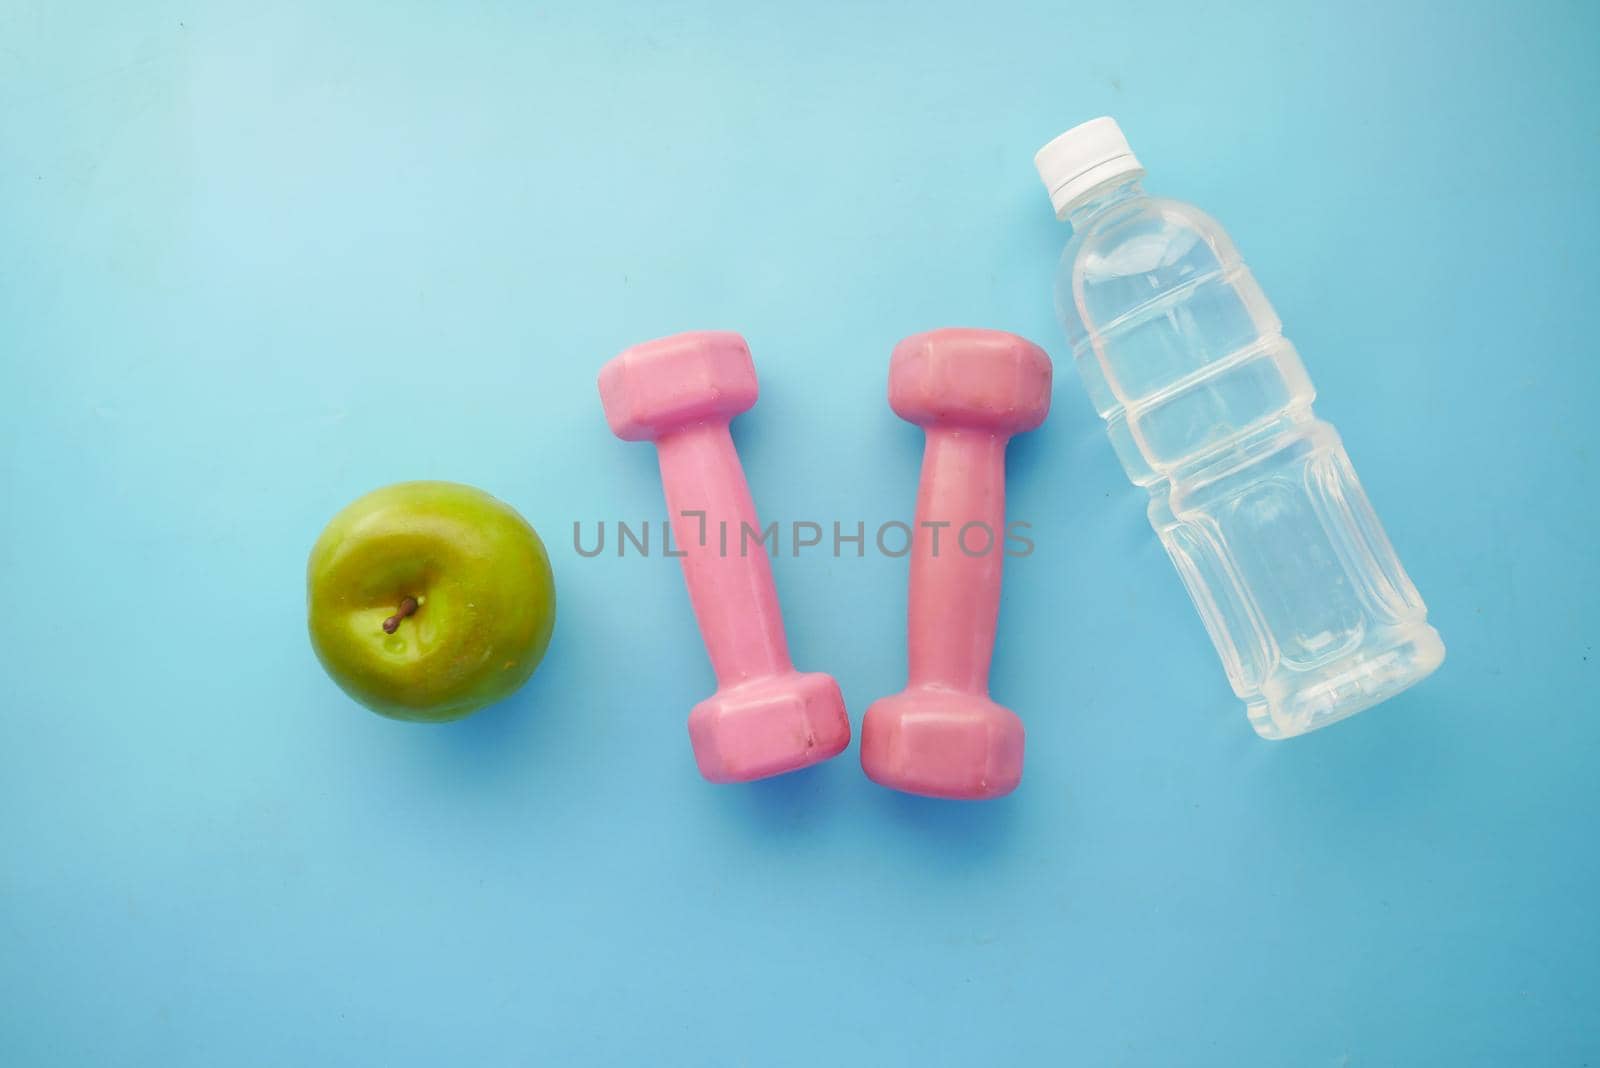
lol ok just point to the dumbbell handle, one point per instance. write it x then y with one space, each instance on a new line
728 573
955 595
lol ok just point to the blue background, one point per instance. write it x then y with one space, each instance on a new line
255 261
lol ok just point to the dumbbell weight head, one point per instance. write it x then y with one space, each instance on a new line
673 382
768 726
943 743
981 379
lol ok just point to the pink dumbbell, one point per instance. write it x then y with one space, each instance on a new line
765 718
971 390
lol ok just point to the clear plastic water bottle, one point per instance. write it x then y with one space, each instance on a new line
1209 408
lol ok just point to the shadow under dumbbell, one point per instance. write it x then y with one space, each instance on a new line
797 802
956 834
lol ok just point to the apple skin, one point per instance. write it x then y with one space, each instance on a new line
485 600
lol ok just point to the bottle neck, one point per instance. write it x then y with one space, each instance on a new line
1102 199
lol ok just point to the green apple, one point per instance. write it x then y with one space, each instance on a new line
429 600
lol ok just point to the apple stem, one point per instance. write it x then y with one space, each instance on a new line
408 606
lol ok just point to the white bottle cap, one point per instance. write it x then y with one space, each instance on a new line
1083 158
